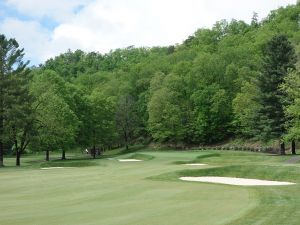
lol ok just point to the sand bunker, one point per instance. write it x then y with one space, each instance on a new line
51 168
195 164
236 181
130 160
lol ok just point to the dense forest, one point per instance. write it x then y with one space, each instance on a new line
235 80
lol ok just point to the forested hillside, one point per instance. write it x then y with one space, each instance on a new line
234 80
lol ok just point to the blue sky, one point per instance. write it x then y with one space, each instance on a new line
6 11
46 28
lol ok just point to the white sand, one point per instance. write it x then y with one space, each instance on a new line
236 181
51 168
195 164
130 160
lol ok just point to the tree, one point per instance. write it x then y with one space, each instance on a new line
291 87
245 109
165 117
201 91
57 126
56 123
11 68
126 118
168 118
279 57
254 20
212 114
20 116
102 124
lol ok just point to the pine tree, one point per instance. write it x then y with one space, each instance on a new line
279 57
11 67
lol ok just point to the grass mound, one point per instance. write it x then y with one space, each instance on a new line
199 158
208 155
140 156
275 173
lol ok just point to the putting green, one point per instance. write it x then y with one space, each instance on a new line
112 193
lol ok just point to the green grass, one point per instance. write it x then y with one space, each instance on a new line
139 156
69 163
199 158
276 173
108 192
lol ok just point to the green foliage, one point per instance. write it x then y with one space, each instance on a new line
291 87
15 108
57 124
101 121
212 113
166 116
202 91
218 83
246 108
279 57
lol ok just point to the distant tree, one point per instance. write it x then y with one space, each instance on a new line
78 101
255 21
12 70
126 118
101 124
167 120
245 109
212 114
291 87
57 126
68 65
278 57
56 123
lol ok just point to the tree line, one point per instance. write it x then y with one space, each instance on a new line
233 80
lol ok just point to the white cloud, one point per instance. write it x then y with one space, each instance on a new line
101 25
59 10
30 35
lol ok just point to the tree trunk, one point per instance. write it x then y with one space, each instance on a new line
126 140
282 149
1 141
1 152
18 156
293 147
94 152
1 127
63 156
47 155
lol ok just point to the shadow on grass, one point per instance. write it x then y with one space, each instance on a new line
69 163
121 151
